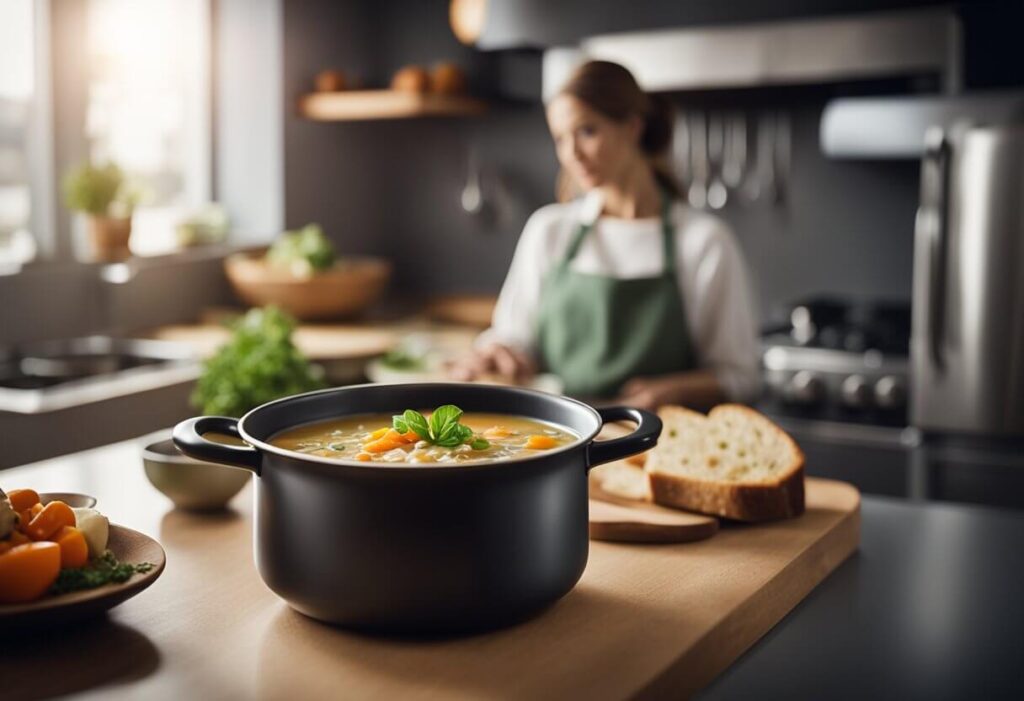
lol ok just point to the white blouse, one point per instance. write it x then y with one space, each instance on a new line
709 267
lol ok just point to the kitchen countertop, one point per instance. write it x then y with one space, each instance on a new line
929 607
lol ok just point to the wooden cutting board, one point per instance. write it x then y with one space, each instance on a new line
468 310
316 341
647 523
618 518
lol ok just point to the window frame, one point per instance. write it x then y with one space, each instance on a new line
58 137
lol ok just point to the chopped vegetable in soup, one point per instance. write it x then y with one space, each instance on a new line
446 435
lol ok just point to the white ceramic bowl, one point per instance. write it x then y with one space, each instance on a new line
191 484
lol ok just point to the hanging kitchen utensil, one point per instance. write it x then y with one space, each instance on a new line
735 159
697 193
750 188
472 194
765 158
717 194
782 155
681 150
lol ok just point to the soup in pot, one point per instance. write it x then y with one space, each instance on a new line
444 436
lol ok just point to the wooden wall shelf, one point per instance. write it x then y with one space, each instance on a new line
352 105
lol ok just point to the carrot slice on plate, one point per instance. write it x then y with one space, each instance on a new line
74 551
22 499
50 520
27 571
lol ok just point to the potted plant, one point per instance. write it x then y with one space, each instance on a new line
99 192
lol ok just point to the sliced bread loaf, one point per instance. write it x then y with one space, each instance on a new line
733 462
621 479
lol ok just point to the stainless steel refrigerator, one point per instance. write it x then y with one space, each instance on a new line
967 339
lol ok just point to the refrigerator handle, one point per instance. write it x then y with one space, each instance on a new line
932 223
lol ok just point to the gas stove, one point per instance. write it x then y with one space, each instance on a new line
839 360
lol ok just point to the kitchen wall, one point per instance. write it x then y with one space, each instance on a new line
393 188
77 299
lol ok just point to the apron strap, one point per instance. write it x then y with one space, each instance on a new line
577 240
668 234
667 231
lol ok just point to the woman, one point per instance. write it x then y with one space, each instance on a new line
621 290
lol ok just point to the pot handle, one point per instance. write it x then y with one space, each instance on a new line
648 428
188 437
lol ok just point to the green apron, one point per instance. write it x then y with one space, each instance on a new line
597 332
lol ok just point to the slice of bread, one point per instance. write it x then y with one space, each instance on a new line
733 462
621 479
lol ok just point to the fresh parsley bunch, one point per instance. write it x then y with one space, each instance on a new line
259 364
443 427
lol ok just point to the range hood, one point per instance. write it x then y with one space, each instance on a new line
807 51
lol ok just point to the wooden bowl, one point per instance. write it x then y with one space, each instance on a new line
349 287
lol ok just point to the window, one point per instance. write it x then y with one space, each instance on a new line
148 107
17 92
145 69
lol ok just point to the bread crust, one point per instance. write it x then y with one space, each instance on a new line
754 502
760 501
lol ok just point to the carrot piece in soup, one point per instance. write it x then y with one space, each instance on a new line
49 520
379 433
364 457
538 442
27 571
22 499
74 551
389 441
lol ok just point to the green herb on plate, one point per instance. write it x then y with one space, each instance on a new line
103 570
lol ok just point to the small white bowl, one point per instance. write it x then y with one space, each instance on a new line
191 484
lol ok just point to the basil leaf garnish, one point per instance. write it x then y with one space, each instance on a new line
443 427
442 417
416 422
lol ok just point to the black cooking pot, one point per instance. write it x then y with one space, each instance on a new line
425 548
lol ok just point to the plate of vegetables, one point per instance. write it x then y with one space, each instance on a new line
59 563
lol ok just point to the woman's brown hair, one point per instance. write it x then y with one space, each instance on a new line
612 90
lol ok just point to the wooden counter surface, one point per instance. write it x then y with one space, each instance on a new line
644 620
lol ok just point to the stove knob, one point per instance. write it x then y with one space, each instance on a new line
856 392
890 392
805 387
